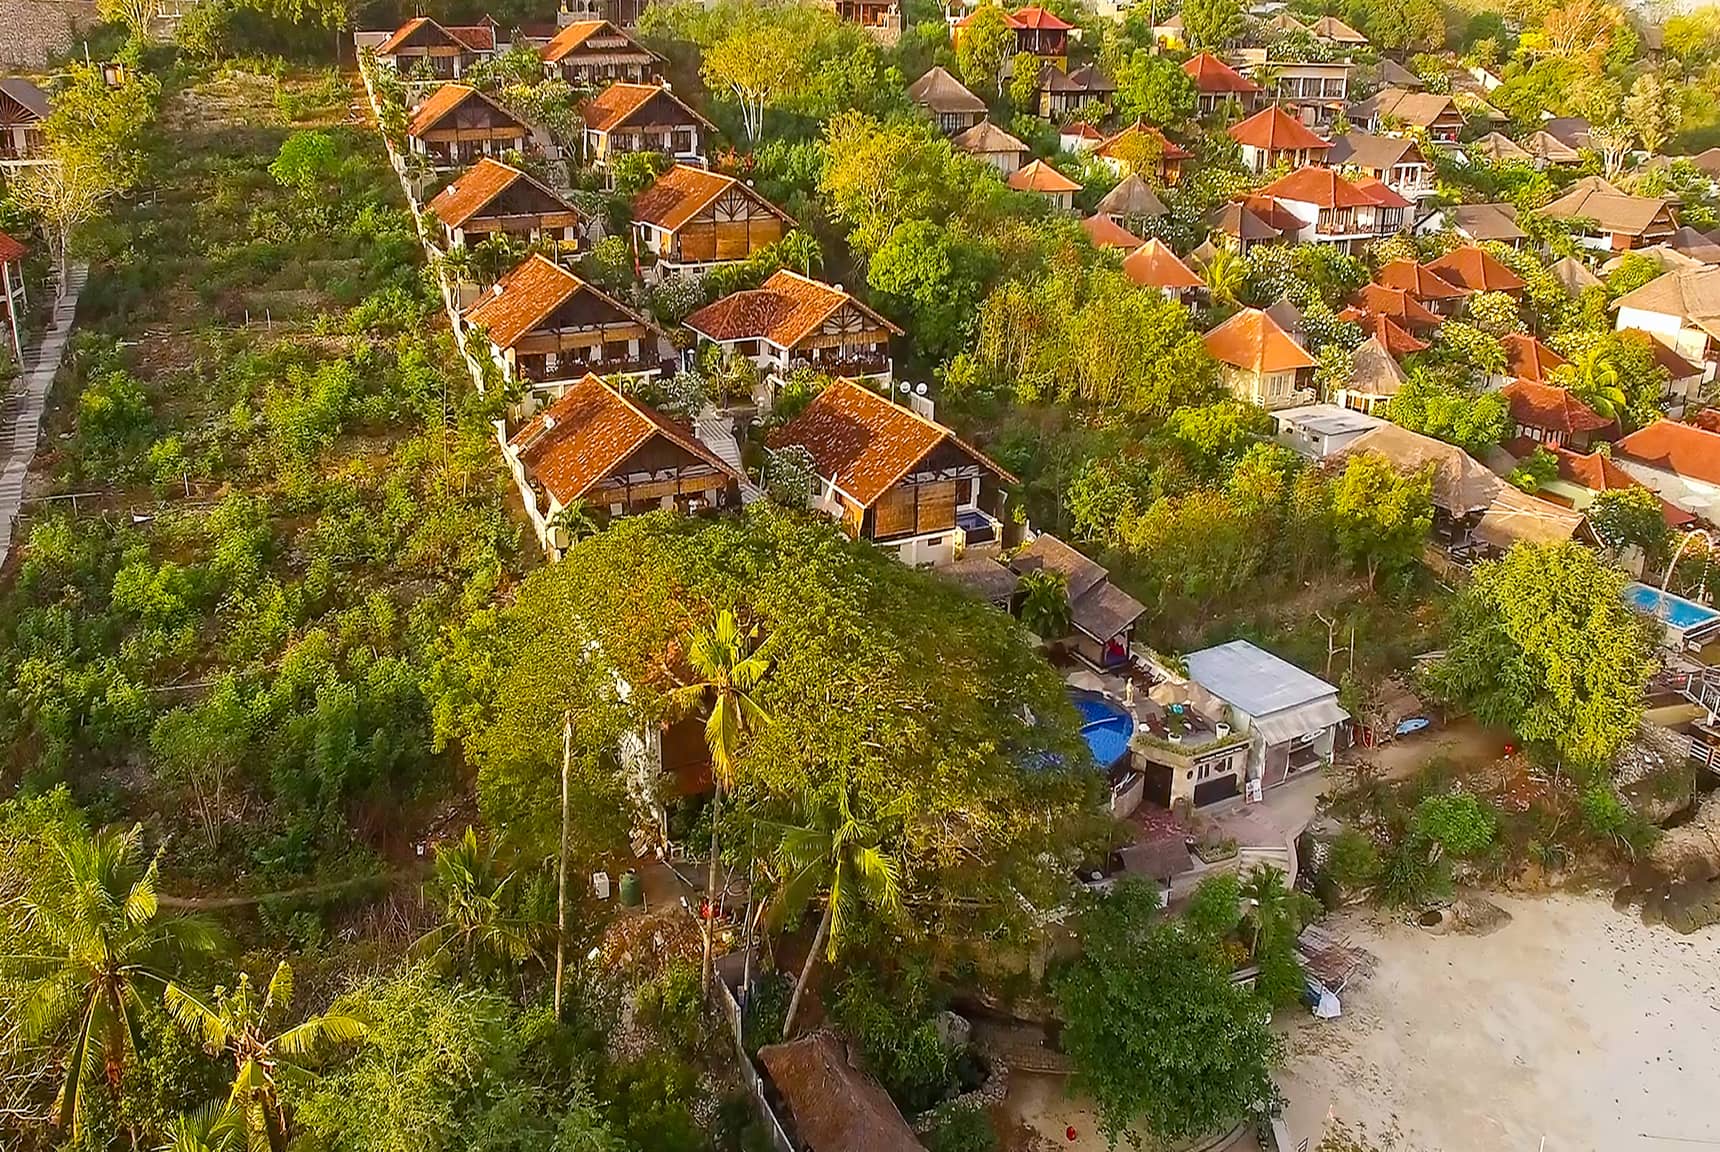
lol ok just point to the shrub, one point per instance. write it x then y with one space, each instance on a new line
1215 908
898 1038
1458 822
1414 873
962 1130
1355 859
1609 819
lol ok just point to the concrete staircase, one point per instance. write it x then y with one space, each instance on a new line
716 431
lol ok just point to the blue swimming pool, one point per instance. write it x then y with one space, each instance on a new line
1105 726
1675 611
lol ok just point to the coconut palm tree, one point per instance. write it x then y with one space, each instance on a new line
1227 276
235 1021
1045 603
576 519
481 922
728 668
1594 378
838 852
456 262
215 1127
103 951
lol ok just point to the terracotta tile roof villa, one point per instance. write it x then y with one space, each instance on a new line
692 218
1551 415
1526 358
1105 232
545 325
459 125
495 197
592 53
1259 361
1042 179
1475 269
618 456
1272 136
792 319
1169 156
643 118
894 477
1216 82
448 51
1154 265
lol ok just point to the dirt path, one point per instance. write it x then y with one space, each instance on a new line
328 888
1573 1023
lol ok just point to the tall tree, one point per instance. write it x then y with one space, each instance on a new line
105 950
1653 111
985 43
1211 24
67 195
1382 517
760 62
728 663
235 1022
1543 643
1045 603
1158 1034
839 852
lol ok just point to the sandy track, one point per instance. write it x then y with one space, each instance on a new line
1573 1022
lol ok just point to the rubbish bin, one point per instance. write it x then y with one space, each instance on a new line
632 893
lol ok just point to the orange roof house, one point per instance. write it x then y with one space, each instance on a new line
1438 293
1475 269
544 325
447 50
593 53
1036 31
1596 473
1551 415
1105 232
1392 336
1397 303
1044 180
1119 149
643 118
791 319
1526 358
617 456
495 197
895 477
1154 265
1327 208
458 125
1272 136
1260 362
1216 82
1679 461
692 218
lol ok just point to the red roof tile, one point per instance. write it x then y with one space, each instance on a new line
574 36
589 433
1681 449
474 38
1598 473
1419 281
1392 336
474 188
11 250
615 105
1548 406
1381 193
1154 265
1476 270
1038 18
1321 187
1526 358
1397 303
684 191
1274 130
1252 340
1105 232
863 443
1041 177
521 300
444 101
784 310
1213 76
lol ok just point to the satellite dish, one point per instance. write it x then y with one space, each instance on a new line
906 387
920 388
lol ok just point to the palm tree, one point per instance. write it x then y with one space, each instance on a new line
837 852
800 249
1227 276
215 1127
1594 379
103 949
479 906
1045 603
236 1021
729 668
457 263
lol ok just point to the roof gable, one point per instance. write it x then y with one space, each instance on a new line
1475 269
1213 76
684 191
784 310
1535 405
485 182
592 38
1274 130
863 443
532 294
452 99
634 105
1154 265
1040 177
1253 341
31 100
1321 187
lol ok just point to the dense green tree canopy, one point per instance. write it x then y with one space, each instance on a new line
1542 642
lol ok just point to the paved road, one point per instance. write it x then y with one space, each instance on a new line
21 410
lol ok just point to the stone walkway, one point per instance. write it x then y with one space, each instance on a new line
21 410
